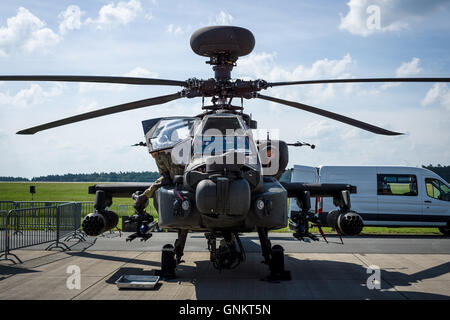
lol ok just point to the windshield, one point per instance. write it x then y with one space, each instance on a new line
437 189
169 132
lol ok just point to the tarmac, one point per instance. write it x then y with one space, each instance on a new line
410 267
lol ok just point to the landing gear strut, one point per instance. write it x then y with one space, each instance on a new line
230 252
179 245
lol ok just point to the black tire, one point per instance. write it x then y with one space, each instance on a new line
445 231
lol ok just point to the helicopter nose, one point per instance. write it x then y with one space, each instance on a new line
223 196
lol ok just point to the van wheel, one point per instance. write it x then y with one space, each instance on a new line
445 231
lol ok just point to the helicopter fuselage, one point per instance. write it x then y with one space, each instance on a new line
223 186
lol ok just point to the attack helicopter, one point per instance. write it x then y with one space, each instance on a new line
231 182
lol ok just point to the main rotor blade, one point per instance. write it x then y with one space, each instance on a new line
332 115
99 79
288 83
103 112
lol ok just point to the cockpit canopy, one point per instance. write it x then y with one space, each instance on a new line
219 134
165 133
194 139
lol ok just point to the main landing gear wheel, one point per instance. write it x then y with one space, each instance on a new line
276 265
168 263
273 257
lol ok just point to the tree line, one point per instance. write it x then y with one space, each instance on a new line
442 171
150 176
144 176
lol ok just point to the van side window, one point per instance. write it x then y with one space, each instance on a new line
437 190
397 184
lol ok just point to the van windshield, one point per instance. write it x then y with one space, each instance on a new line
437 189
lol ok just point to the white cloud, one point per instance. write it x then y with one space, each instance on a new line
71 19
148 15
136 72
258 65
25 32
438 94
174 30
318 129
367 17
141 72
87 106
408 68
223 18
120 14
27 97
263 66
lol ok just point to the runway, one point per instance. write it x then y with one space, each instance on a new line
196 242
411 267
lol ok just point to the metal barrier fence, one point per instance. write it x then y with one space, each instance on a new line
86 207
3 229
29 223
24 227
5 206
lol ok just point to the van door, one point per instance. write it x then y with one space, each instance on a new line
365 201
399 203
436 202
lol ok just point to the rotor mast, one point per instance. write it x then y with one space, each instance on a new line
223 45
222 65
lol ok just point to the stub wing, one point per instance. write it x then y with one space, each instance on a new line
119 189
342 220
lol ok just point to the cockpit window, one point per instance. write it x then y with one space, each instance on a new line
169 132
221 124
216 145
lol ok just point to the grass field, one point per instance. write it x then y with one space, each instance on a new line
61 191
78 191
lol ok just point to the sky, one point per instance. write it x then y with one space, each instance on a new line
295 40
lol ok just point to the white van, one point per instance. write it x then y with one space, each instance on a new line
386 196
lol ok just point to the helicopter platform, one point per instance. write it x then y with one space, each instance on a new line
315 275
